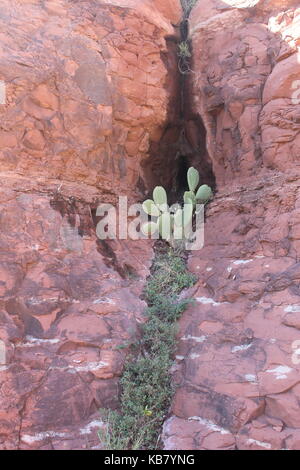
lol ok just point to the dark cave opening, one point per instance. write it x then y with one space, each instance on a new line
182 145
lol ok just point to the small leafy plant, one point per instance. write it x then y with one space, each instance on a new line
184 50
175 223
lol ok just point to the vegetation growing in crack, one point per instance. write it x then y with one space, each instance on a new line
184 49
174 224
146 386
146 389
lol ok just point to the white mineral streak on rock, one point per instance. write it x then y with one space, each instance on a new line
209 424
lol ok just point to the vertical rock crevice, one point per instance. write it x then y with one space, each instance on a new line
238 375
183 140
83 101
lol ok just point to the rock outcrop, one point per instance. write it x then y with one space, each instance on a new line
88 87
237 366
245 84
93 111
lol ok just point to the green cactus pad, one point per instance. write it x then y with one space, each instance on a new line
150 208
149 228
189 197
193 178
160 196
187 214
204 193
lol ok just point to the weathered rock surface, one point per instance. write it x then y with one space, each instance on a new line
68 302
88 88
92 88
246 83
237 367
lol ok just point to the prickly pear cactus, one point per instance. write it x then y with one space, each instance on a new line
173 223
204 193
150 208
193 178
160 198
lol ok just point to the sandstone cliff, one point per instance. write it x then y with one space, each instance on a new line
88 88
96 108
237 363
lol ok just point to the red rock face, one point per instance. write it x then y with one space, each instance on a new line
246 64
92 88
68 303
88 88
237 365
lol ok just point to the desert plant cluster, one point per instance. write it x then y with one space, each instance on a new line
174 224
146 385
146 388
